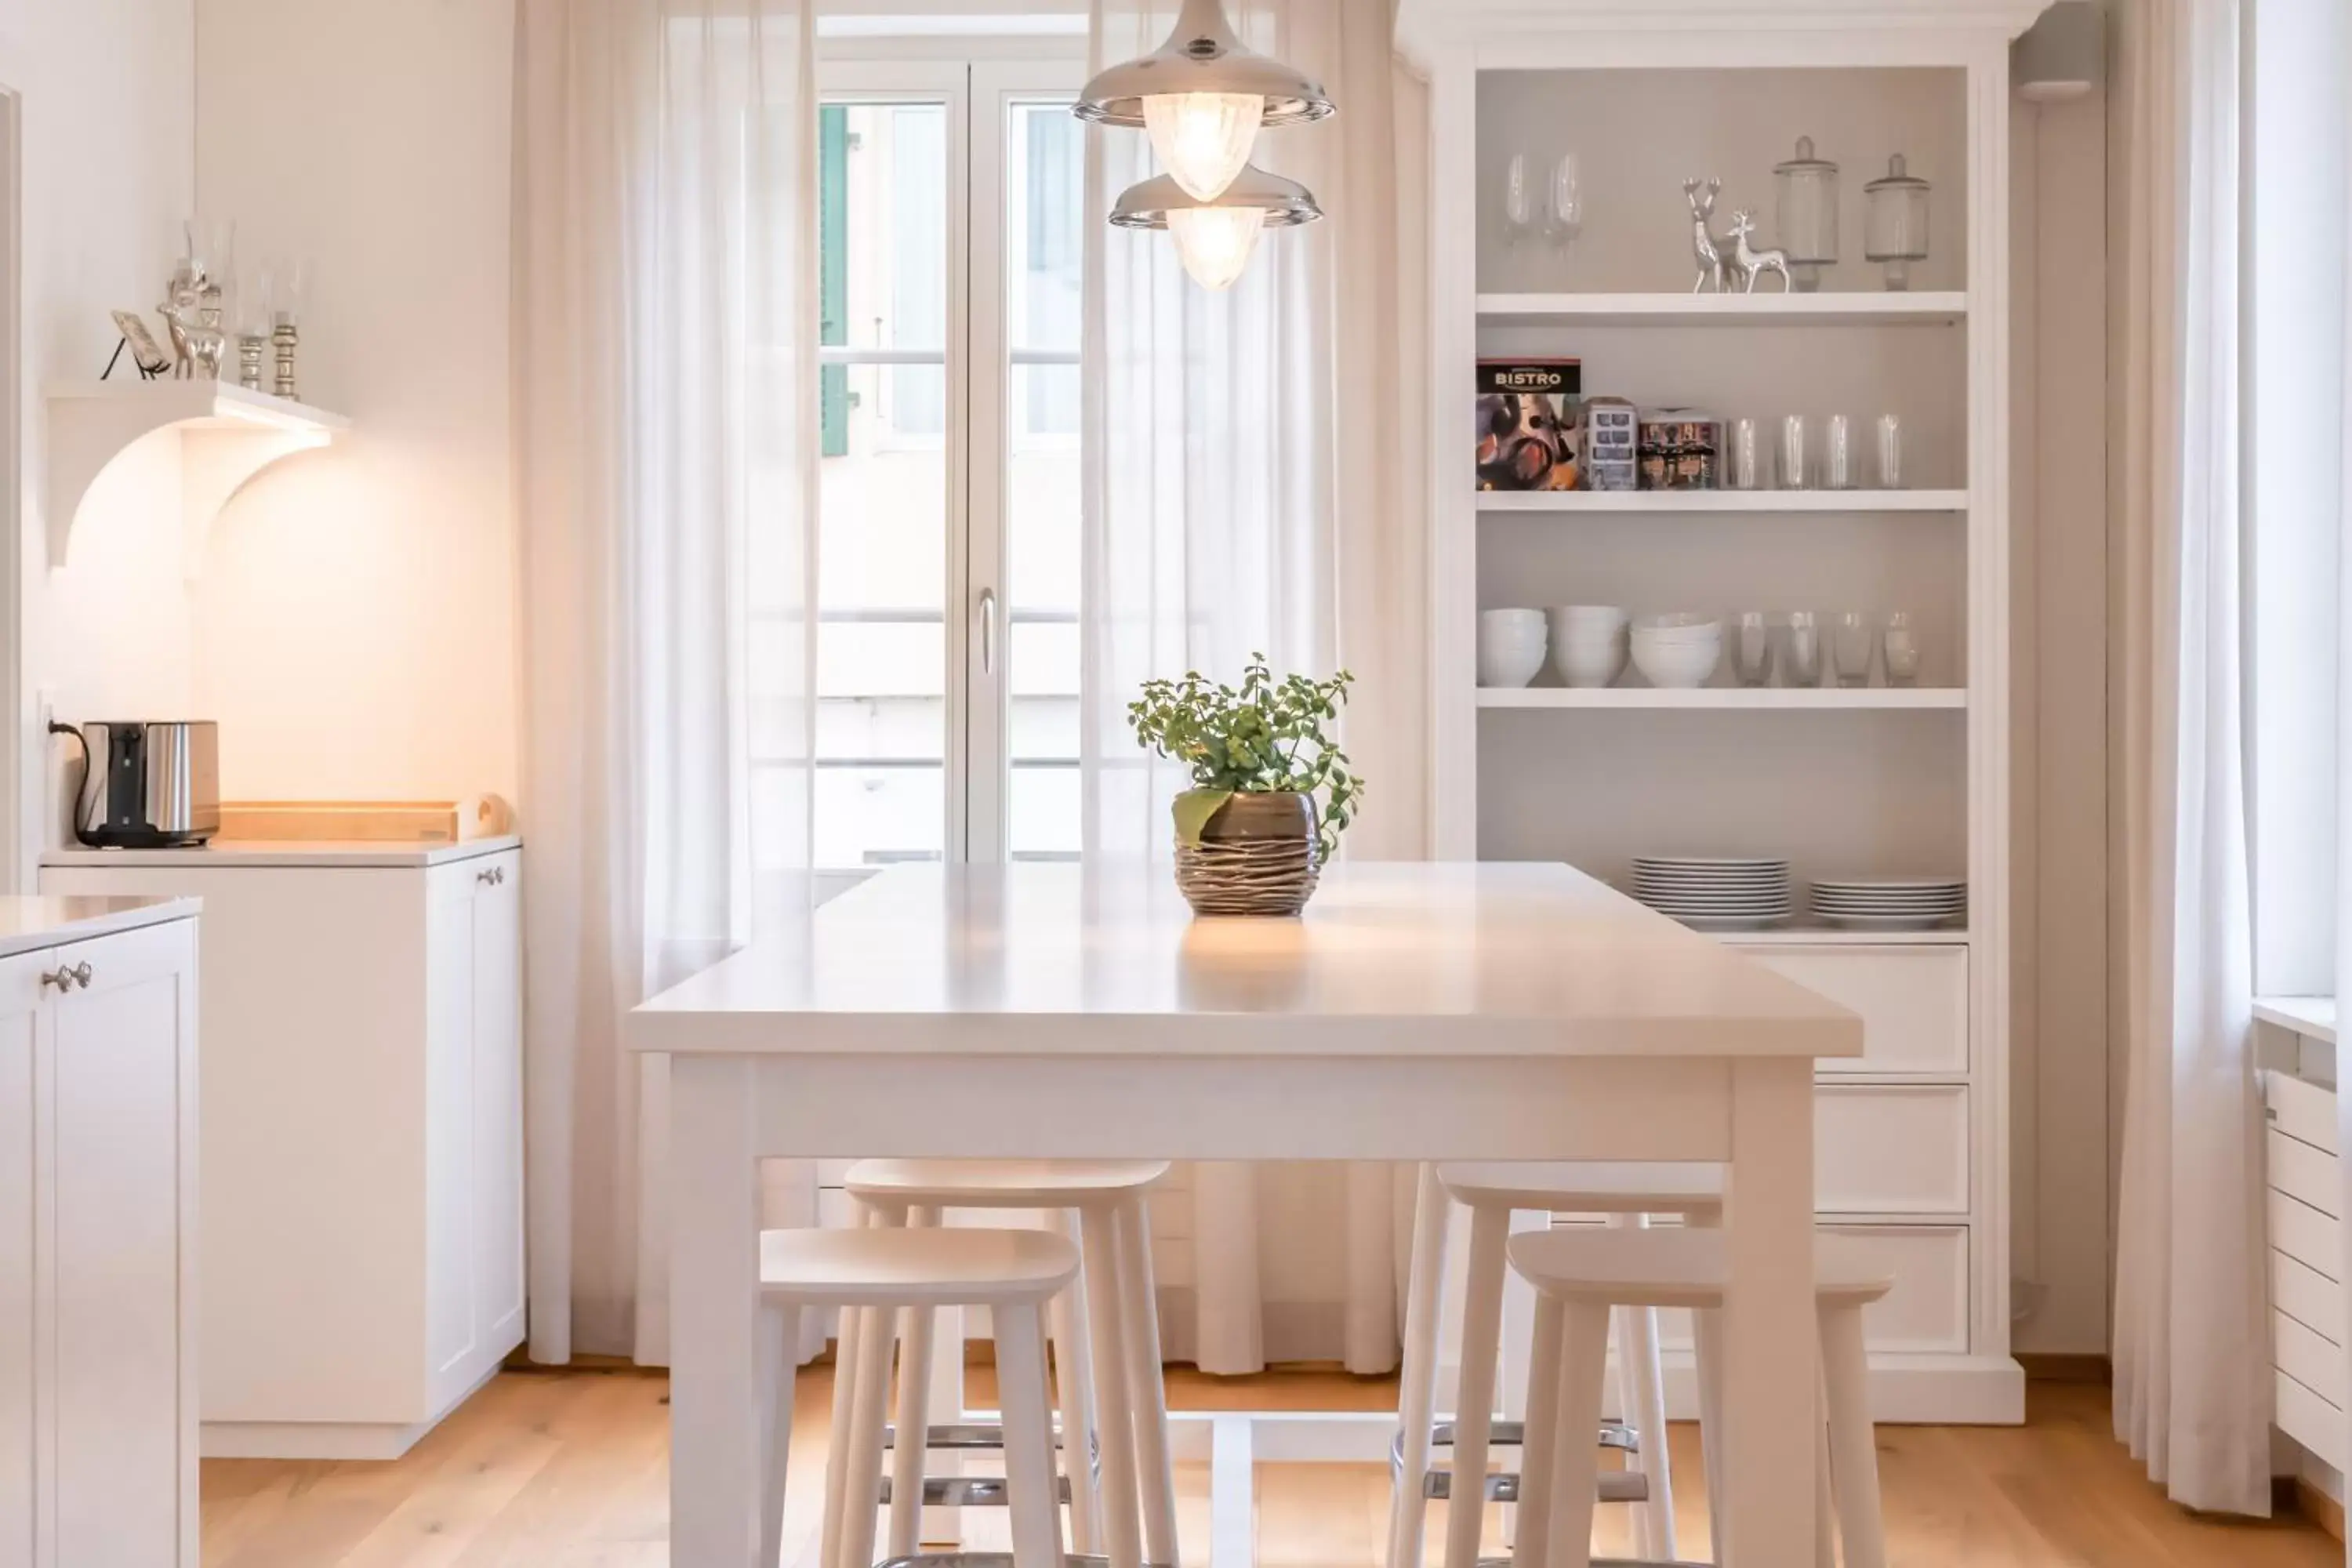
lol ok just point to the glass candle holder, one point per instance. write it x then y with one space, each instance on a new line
1807 187
1894 223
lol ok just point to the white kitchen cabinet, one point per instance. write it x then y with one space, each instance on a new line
363 1259
98 1150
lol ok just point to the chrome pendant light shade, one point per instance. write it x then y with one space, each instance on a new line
1204 57
1215 239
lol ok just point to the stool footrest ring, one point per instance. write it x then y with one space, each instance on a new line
969 1491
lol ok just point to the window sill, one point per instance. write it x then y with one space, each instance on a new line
2312 1017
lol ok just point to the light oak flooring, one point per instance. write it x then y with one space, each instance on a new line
569 1470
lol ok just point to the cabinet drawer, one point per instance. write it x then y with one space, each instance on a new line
2302 1355
1893 1150
2308 1296
2303 1171
2305 1234
2303 1111
1914 1003
2309 1420
1927 1311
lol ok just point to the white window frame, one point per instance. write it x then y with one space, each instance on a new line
978 79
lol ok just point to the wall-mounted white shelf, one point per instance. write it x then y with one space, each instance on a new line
227 433
1856 309
1722 500
1761 697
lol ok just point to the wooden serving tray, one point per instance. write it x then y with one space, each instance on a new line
370 821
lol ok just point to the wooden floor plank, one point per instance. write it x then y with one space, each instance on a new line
570 1469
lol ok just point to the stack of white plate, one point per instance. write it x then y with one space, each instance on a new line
1677 651
1890 903
1713 893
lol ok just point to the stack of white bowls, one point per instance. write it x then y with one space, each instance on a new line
1587 644
1677 651
1510 647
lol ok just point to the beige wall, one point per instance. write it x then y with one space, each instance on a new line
354 626
106 95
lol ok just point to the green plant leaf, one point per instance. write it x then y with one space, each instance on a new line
1193 809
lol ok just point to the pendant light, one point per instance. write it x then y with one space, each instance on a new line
1215 238
1202 95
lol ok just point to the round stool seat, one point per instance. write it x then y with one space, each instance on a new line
1581 1186
1000 1184
898 1267
1674 1268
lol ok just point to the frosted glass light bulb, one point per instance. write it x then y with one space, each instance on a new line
1203 138
1215 243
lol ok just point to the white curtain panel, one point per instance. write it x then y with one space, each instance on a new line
666 277
1253 485
2191 1333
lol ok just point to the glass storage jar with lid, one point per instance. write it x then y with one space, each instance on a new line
1895 225
1808 189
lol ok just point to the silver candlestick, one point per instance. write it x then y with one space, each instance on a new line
252 349
284 338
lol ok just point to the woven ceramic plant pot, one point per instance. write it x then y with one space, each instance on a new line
1257 855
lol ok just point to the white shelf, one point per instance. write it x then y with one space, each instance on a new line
1722 500
1765 696
1827 936
227 435
1856 309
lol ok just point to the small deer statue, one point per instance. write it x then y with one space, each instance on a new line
196 347
1749 262
1706 247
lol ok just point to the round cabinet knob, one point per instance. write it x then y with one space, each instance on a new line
60 978
81 974
487 877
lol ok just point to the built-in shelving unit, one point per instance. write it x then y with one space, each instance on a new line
1671 501
1755 698
227 434
1851 782
1941 309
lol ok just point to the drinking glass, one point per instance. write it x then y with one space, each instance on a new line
1518 200
1746 469
1856 639
1838 463
1804 667
1564 208
1751 648
1792 452
1890 451
1901 644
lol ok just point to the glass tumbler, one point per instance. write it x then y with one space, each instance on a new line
1792 452
1856 640
1890 451
1804 644
1838 463
1746 469
1751 648
1901 646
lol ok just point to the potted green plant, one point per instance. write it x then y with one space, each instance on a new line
1271 791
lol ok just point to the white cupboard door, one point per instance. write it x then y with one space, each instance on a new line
22 1140
452 1257
497 1102
124 1045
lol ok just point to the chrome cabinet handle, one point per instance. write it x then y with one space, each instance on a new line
988 631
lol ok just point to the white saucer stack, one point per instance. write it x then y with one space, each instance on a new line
1890 903
1713 893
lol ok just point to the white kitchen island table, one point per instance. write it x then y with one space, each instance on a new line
1416 1012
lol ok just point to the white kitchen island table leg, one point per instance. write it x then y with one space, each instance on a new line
1768 1324
717 1457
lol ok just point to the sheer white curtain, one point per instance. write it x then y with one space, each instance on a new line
1253 486
664 295
2191 1389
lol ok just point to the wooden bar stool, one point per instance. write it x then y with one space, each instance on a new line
1129 1515
1580 1276
1493 1193
1013 1273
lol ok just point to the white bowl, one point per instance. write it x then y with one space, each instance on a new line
1511 623
1675 669
1684 623
1509 666
1590 666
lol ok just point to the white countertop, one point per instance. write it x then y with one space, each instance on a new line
30 924
287 852
1096 959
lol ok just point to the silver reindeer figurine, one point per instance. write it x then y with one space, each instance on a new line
196 347
1749 262
1707 246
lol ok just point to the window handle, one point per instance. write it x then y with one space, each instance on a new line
988 632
